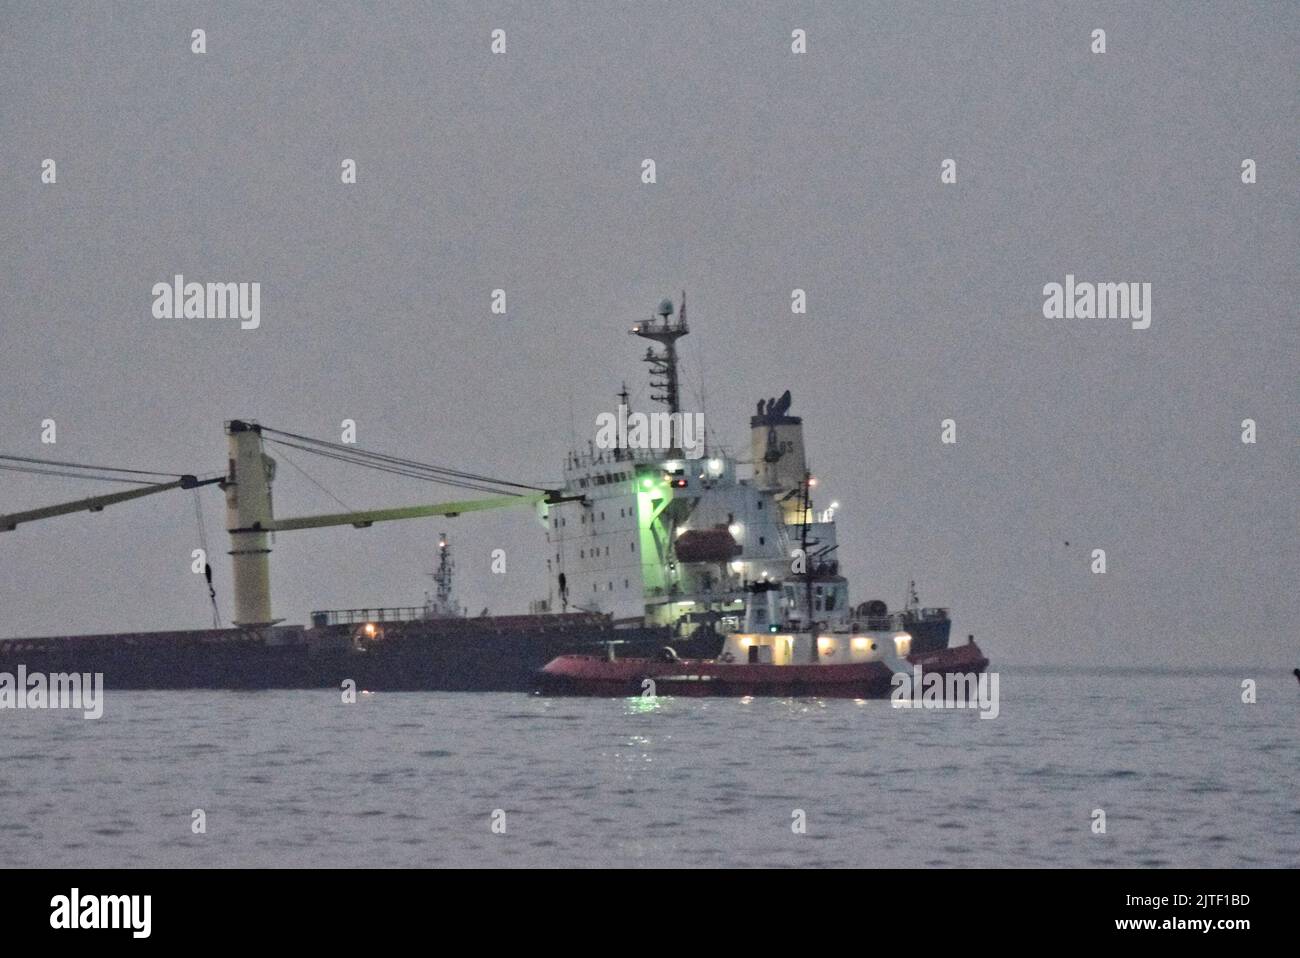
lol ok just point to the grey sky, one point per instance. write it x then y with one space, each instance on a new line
776 171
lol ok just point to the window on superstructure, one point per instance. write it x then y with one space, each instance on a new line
582 553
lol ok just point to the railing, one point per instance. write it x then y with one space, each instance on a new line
616 457
549 621
937 612
405 613
896 621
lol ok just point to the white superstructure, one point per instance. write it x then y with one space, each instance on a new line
670 540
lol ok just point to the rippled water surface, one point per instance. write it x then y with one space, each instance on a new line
1187 776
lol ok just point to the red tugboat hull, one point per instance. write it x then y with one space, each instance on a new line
594 676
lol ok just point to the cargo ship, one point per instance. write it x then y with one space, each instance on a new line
647 546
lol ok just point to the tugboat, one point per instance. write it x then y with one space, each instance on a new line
861 666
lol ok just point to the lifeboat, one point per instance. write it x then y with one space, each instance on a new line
706 545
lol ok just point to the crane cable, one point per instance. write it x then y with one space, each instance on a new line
7 463
412 474
207 566
397 464
76 475
306 475
413 467
34 466
82 465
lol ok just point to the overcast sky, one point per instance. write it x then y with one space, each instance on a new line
522 171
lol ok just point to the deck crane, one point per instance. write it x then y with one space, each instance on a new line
11 521
250 519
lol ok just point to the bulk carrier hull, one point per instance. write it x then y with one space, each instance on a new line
487 654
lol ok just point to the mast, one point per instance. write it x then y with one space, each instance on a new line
442 605
666 333
815 653
621 452
249 520
704 410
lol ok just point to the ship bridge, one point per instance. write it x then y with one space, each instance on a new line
652 535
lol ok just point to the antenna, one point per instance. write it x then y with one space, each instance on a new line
573 426
804 542
704 411
666 332
621 452
442 606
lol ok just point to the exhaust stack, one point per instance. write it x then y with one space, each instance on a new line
776 442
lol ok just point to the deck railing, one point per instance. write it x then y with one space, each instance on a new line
405 613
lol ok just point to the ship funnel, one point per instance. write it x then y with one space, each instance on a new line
776 441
